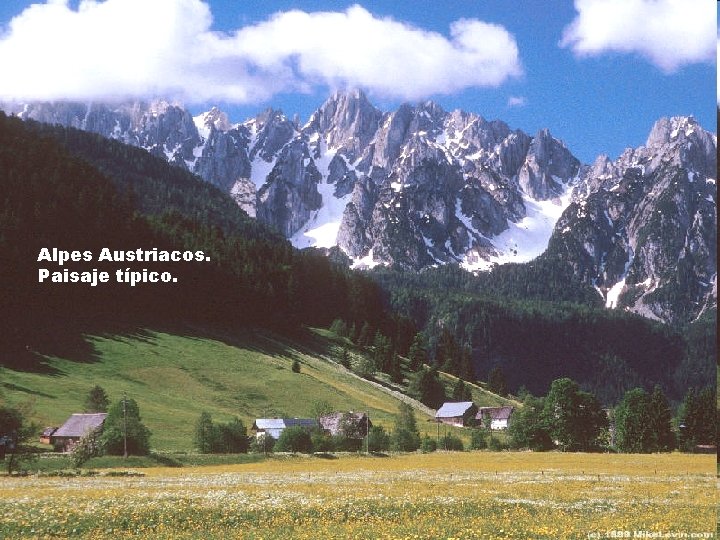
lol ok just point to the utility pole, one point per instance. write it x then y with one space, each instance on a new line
125 453
367 433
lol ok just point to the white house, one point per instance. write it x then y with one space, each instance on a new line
499 416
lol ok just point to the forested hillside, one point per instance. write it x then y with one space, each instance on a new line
124 199
535 332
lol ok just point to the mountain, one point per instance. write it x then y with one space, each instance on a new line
413 188
420 186
643 229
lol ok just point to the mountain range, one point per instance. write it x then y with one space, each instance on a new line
420 187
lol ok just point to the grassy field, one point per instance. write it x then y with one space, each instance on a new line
472 495
176 377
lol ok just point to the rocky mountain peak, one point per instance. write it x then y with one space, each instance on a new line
212 119
667 130
348 122
548 165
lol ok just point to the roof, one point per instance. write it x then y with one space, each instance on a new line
48 431
452 409
282 423
496 413
331 422
80 424
302 422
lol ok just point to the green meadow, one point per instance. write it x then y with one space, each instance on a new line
176 376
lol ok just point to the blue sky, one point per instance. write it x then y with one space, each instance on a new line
598 73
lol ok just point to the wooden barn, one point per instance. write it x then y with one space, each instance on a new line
499 416
76 427
457 413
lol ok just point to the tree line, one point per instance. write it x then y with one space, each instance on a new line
570 419
535 340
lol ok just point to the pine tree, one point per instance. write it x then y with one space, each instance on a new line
461 392
426 387
97 400
465 367
496 381
418 352
363 339
339 328
405 438
204 434
395 370
697 419
447 355
345 358
661 422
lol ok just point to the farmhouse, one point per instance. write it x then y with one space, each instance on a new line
499 416
76 427
275 426
459 413
353 424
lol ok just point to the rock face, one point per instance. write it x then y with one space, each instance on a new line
420 186
414 187
643 229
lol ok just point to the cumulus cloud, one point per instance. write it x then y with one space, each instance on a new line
516 101
668 33
124 48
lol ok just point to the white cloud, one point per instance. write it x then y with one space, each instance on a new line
516 101
136 48
668 33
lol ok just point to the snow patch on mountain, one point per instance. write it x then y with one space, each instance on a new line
526 239
322 228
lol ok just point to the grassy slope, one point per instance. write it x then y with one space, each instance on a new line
176 377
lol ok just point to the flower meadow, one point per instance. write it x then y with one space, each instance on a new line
415 496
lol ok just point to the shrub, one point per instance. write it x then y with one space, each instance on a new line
451 442
321 441
344 443
427 445
477 440
404 440
263 444
294 439
496 445
378 439
87 447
